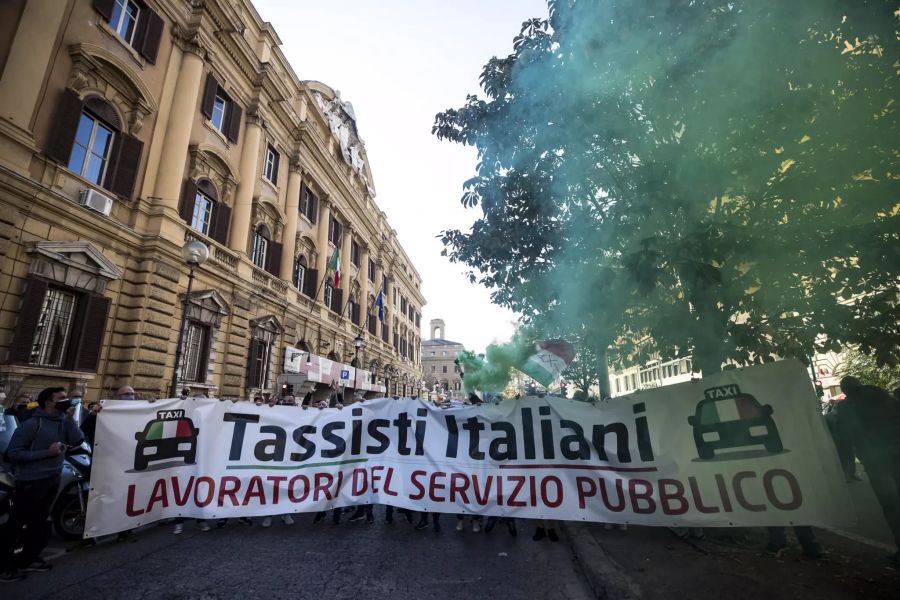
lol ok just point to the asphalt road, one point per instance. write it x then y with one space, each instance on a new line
322 562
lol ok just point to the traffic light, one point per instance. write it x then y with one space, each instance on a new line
819 390
287 389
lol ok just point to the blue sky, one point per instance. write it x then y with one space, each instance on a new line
399 63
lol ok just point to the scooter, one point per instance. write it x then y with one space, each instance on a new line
70 506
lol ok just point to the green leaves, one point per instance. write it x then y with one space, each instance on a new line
733 196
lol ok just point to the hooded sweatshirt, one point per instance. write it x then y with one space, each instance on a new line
29 447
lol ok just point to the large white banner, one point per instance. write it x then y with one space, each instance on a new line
744 447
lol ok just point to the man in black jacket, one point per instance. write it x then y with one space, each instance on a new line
36 451
869 417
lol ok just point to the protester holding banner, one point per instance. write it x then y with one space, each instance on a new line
738 450
423 521
870 418
36 451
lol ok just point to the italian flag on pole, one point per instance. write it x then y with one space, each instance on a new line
550 359
335 265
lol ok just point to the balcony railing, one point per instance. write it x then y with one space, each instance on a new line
269 281
221 257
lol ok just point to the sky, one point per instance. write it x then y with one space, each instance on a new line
400 62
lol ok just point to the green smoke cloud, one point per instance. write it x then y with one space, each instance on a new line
492 370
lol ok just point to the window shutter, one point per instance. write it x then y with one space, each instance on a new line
29 317
148 35
314 208
66 124
234 122
354 315
188 198
337 300
222 223
209 95
104 7
253 364
274 259
121 176
311 283
93 326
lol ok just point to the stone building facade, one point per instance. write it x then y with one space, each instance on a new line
438 354
130 127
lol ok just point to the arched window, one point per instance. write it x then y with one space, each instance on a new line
204 207
94 137
89 139
299 276
261 240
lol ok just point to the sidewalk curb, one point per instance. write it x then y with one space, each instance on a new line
607 578
860 539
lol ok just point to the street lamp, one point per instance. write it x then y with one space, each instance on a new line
194 254
358 343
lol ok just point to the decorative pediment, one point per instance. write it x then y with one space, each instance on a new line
266 210
95 67
207 307
268 323
74 264
208 161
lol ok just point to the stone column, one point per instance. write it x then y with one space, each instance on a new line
386 287
363 285
379 287
323 251
345 261
243 196
29 58
292 214
170 177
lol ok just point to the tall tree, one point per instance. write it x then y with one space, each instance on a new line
716 177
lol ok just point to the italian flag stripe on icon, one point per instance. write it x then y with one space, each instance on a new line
167 429
156 431
735 409
747 408
184 428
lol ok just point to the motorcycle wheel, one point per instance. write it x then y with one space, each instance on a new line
68 520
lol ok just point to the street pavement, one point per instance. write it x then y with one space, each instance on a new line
322 562
870 526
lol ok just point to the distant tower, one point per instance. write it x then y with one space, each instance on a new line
437 329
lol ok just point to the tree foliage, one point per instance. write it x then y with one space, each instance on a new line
867 370
716 177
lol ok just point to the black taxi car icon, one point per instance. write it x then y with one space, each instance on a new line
736 421
166 438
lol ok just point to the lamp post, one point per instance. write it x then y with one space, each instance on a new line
358 343
194 254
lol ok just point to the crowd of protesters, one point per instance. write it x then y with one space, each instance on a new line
865 424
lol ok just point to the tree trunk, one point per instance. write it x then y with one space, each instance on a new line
603 372
709 342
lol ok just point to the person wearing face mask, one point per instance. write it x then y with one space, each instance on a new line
36 451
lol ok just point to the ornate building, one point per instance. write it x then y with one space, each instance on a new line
130 127
438 356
